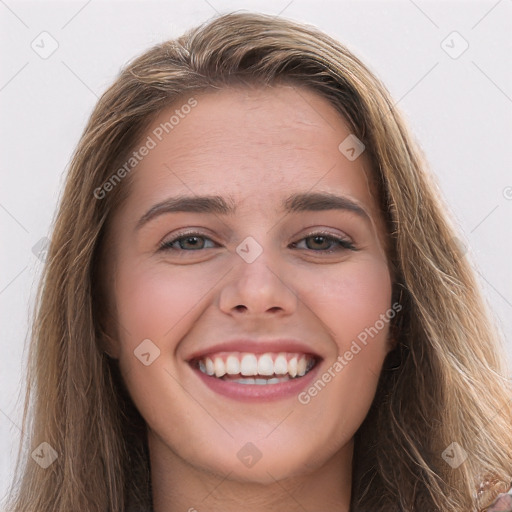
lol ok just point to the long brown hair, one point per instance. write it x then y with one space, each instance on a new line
450 385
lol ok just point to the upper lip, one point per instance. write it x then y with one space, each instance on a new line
256 346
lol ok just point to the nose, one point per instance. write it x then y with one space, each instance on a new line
257 288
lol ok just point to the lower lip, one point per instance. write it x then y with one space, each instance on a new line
259 392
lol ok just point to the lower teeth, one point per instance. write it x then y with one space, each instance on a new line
273 380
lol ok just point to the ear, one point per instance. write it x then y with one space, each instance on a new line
110 346
105 309
397 303
108 338
392 342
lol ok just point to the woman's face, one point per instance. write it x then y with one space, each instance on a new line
227 257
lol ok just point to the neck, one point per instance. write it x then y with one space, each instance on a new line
178 487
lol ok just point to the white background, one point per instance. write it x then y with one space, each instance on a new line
459 109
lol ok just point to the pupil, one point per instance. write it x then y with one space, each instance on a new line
319 239
194 240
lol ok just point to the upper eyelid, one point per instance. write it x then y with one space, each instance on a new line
309 234
312 232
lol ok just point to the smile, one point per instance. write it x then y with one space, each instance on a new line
260 369
251 376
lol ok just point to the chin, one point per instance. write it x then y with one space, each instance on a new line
249 464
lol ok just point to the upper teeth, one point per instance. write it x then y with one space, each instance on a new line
256 364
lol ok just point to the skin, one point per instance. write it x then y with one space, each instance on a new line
255 146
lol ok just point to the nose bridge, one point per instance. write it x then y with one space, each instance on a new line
258 281
258 265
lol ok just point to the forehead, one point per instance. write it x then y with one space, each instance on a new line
253 143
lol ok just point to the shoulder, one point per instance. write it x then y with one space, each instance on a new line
503 503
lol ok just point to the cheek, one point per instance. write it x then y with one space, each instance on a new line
153 302
156 303
351 299
354 304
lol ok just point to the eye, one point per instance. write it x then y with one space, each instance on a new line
319 242
322 241
187 242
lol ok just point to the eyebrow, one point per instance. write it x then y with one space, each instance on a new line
299 202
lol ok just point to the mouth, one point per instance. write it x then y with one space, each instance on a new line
255 369
248 370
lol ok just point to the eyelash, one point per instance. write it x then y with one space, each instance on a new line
344 243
